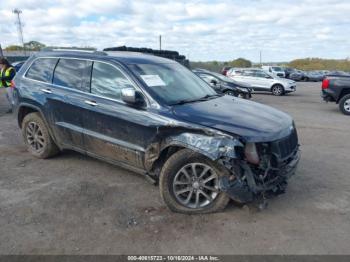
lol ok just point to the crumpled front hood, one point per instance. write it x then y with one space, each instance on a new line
253 121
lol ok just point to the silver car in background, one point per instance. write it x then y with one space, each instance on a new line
262 81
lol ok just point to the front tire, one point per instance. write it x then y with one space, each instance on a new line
277 90
344 104
189 184
37 137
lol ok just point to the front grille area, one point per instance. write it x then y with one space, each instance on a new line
287 145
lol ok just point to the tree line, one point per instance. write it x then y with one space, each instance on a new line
216 66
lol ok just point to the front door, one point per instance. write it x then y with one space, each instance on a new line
262 81
114 130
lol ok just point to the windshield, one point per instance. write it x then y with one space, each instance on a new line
277 69
171 83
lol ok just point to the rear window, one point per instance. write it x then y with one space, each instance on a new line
41 69
70 73
248 73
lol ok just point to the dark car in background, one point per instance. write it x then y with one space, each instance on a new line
225 85
297 75
225 69
313 76
338 73
155 117
336 89
288 71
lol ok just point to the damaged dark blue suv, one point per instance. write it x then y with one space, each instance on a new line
157 118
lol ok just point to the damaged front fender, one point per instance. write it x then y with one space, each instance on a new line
211 144
213 147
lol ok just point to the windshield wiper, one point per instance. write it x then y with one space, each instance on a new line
186 101
207 97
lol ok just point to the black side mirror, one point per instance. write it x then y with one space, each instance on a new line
132 97
213 82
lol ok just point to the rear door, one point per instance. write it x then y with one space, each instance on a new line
66 100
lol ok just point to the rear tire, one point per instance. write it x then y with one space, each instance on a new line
277 90
37 138
344 104
183 171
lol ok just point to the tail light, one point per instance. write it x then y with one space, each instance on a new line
325 83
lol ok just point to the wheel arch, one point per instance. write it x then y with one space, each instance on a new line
344 92
25 109
212 147
277 84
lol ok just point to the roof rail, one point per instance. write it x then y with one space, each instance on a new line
91 51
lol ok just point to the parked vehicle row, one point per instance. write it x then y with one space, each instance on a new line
312 76
295 74
260 80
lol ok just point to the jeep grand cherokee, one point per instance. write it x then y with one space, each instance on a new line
155 117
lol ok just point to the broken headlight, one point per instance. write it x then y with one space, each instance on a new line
251 153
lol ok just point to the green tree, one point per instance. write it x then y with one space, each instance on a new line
320 64
13 48
29 46
240 62
33 46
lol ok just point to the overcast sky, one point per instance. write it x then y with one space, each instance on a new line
202 30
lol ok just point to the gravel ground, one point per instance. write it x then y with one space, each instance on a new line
73 204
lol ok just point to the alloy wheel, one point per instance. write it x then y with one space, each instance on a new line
347 105
35 137
277 90
196 185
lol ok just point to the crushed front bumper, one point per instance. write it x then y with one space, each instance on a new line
254 186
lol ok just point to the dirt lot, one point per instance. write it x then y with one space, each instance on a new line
74 204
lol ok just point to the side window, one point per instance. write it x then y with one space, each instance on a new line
260 74
42 69
70 73
248 73
207 78
108 81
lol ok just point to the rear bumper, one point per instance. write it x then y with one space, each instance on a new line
328 96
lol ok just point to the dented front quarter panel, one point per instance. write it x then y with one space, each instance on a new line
211 146
207 141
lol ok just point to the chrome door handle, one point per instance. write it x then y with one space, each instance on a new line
91 103
47 91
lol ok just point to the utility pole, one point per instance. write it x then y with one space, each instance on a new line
17 12
260 58
160 42
1 54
